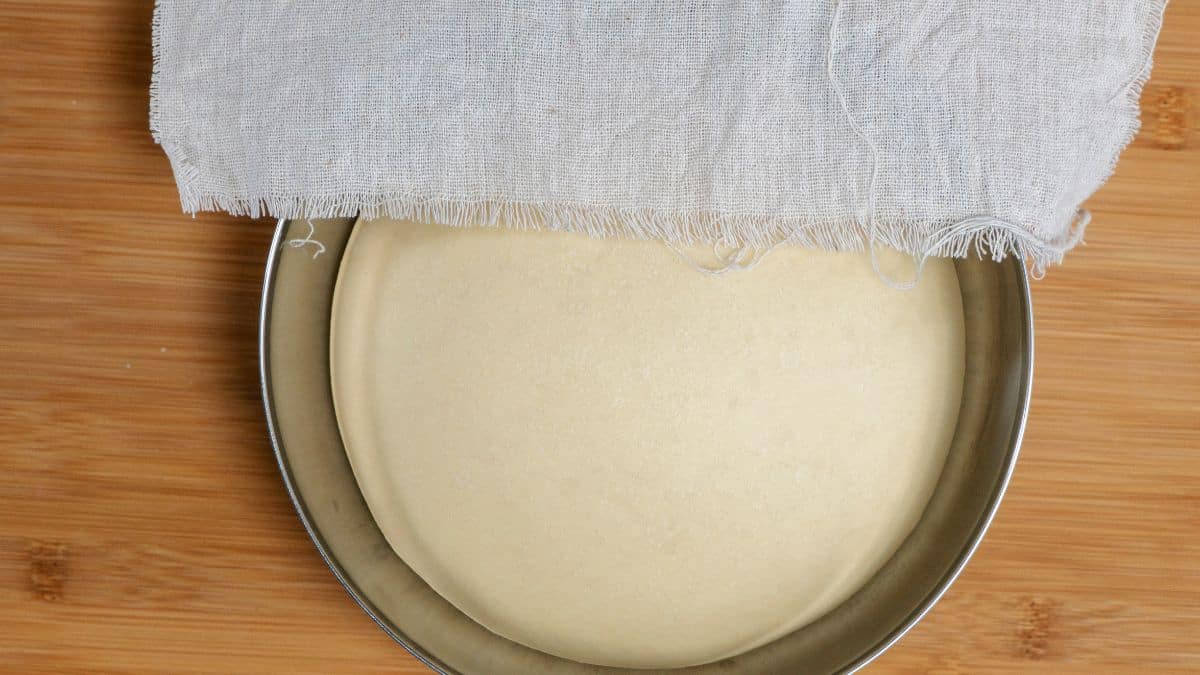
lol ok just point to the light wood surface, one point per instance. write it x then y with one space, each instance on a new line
144 528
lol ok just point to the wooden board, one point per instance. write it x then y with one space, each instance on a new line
144 528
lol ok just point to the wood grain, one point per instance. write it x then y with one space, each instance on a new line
143 526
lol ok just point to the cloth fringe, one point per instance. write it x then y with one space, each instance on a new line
984 235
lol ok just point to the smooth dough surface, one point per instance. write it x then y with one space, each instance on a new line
594 450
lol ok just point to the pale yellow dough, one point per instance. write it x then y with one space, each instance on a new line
596 451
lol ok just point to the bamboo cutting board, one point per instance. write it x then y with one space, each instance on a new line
144 528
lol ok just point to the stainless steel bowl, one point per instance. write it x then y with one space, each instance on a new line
294 360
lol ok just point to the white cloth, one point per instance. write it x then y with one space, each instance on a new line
926 125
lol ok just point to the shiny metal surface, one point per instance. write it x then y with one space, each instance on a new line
294 363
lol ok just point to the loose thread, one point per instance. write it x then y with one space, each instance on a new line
1001 233
845 107
734 259
308 239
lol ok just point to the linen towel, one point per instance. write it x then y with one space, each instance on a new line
933 127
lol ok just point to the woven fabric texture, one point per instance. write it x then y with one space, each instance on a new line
938 128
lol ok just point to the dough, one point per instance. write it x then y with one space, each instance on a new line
594 450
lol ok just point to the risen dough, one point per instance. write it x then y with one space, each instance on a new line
596 451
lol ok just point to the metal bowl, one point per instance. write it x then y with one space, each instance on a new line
294 360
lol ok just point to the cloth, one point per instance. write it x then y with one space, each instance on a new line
933 127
